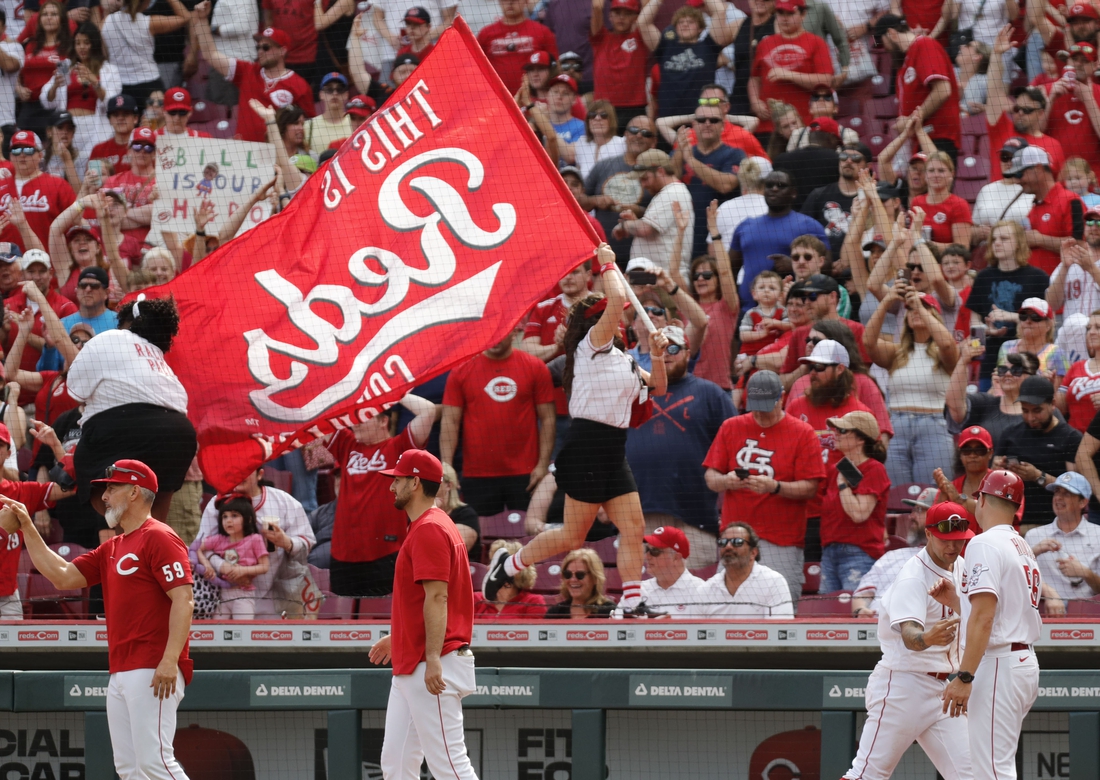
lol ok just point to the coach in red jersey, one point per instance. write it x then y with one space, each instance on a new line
146 580
432 623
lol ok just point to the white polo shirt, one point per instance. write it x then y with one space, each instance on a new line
680 600
1083 543
765 594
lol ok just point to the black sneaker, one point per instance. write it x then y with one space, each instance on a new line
496 578
642 610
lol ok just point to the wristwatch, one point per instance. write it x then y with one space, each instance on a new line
843 486
965 677
1042 480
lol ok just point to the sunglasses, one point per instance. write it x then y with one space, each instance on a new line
811 296
915 267
853 156
710 102
23 150
656 311
641 132
179 112
1014 370
734 542
813 342
147 148
264 47
1025 110
806 257
78 341
337 89
979 452
1006 157
1092 222
817 368
110 471
90 286
823 96
154 103
674 349
598 115
568 575
953 523
707 275
1030 316
708 120
653 552
571 66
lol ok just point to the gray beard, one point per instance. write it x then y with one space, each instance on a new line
112 516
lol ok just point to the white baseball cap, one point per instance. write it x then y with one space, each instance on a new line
642 264
32 256
828 353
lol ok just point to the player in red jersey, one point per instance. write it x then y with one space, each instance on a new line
432 624
146 580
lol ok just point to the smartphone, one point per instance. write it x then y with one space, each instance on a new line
741 473
977 339
905 275
1012 460
908 221
63 68
640 278
851 473
97 166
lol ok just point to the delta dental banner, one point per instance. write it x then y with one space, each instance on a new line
192 170
436 227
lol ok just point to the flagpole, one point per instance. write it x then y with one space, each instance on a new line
639 310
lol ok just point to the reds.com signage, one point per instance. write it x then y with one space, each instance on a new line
507 636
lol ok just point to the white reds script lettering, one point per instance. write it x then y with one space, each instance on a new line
755 458
129 569
462 302
358 463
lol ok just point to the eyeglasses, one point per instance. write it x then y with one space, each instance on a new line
656 311
915 267
674 349
734 542
147 148
1026 111
179 112
653 552
807 257
154 102
641 132
335 89
813 342
598 115
817 368
21 150
1014 370
953 523
708 120
711 102
264 47
568 575
853 156
707 275
90 286
974 452
822 96
1030 316
110 471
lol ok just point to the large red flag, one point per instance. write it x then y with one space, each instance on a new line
428 236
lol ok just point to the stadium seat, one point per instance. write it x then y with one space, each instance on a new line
206 499
876 143
1083 608
974 168
68 550
705 572
24 458
44 600
374 608
895 543
477 574
968 190
836 604
908 490
812 573
548 579
607 549
880 84
975 125
614 585
503 525
337 607
282 480
885 108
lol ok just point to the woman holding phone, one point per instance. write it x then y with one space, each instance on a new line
853 514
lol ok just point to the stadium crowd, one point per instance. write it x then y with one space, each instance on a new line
867 230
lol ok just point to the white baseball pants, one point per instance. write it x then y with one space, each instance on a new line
1004 689
143 727
422 726
903 707
11 607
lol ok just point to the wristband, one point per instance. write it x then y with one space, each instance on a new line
778 485
606 268
200 233
269 124
716 237
675 290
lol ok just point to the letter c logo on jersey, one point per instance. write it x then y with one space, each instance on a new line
130 569
502 389
1075 117
910 75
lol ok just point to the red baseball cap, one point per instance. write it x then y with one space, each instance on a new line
955 526
634 6
90 230
976 433
919 157
144 135
361 106
1082 11
539 59
561 78
129 472
669 538
417 463
790 5
25 138
931 302
823 123
5 435
278 37
1086 50
177 98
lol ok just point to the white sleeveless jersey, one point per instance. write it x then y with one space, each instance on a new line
907 600
1000 562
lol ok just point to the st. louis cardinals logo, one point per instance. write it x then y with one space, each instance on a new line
128 570
755 458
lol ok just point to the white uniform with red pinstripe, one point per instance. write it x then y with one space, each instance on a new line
903 693
1006 682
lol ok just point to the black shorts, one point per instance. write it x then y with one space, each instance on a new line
591 466
492 495
364 579
162 439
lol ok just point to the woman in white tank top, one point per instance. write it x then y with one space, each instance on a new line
920 367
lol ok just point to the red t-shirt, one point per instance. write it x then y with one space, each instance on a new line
788 451
499 398
1054 216
543 324
816 417
118 155
433 551
838 528
368 526
958 482
137 570
420 55
927 62
1069 123
295 18
1003 130
805 53
188 132
867 392
509 47
752 347
921 13
1080 386
941 216
962 319
51 401
618 67
138 191
525 605
33 496
277 93
798 344
735 137
17 302
43 198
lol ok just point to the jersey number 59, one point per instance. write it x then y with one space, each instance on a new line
175 571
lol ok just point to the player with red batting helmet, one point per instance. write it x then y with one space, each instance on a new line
998 594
